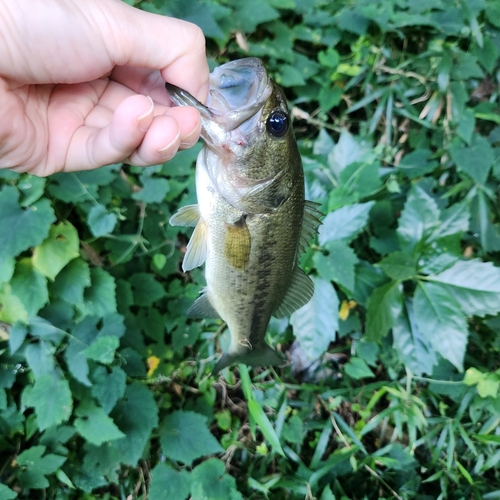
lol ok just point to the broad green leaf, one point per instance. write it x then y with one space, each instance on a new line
71 282
414 348
17 334
345 223
6 493
11 306
40 358
465 127
357 369
475 285
345 152
100 298
368 277
22 229
384 307
136 415
31 188
184 436
210 481
398 266
338 265
249 16
101 221
57 250
439 319
95 426
454 220
103 349
51 398
108 386
315 325
154 190
293 431
169 483
417 163
30 286
33 467
475 160
146 289
420 217
360 178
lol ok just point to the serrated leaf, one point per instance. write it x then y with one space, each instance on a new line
169 483
30 286
136 415
184 436
475 285
108 387
398 266
345 223
210 481
414 348
146 289
71 282
57 250
22 229
51 398
438 318
40 358
417 163
338 265
101 221
100 298
95 426
103 349
475 160
384 307
315 325
357 369
34 467
249 16
345 152
420 217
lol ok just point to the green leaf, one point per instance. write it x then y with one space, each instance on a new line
108 387
51 398
438 317
415 350
17 334
357 369
100 221
40 358
95 426
398 266
22 229
136 416
475 160
293 430
31 188
345 223
11 306
6 493
249 16
57 250
338 265
475 285
466 124
100 298
71 282
418 220
417 163
34 467
146 289
315 325
384 306
209 481
30 286
103 349
169 483
154 190
184 436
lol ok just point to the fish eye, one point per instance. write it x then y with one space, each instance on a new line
277 123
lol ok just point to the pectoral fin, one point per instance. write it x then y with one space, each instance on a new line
298 294
186 216
237 244
196 250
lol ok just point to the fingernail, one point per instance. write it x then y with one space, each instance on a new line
166 153
145 119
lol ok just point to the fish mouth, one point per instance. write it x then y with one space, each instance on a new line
238 92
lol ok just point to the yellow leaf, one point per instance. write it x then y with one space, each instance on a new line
345 307
153 363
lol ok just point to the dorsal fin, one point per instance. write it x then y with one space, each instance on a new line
299 293
186 216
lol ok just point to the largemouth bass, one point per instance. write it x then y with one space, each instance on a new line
252 220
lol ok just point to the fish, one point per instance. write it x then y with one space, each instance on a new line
252 221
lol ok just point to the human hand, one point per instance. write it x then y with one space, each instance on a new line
74 76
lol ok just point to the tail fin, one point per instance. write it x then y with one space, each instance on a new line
262 355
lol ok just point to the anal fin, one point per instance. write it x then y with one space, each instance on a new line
186 216
196 250
299 293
